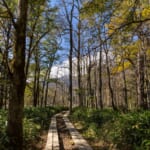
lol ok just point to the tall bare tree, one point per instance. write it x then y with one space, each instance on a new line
69 13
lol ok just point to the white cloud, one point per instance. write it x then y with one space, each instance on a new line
60 70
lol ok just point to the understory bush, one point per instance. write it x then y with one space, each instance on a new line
35 120
3 124
41 115
132 129
126 131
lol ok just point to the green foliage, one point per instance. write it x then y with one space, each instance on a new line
35 120
132 129
125 131
31 129
91 131
93 115
3 123
95 6
79 114
3 115
101 116
41 116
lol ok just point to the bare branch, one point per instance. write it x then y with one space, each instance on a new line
10 13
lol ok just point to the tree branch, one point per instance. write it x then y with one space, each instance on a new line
10 13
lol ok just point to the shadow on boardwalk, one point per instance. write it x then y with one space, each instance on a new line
63 136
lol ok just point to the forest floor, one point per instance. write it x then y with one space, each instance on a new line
39 143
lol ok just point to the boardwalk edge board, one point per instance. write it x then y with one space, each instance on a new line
52 139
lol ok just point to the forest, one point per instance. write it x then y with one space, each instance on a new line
88 57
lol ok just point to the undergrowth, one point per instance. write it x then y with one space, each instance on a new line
121 131
36 119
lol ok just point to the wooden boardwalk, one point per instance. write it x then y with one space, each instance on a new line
79 141
53 139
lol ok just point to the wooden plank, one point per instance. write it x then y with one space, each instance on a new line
52 139
49 143
55 137
79 141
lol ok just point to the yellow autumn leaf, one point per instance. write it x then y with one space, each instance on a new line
148 52
146 12
119 68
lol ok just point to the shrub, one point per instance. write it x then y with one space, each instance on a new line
30 129
132 129
79 114
41 115
129 130
35 120
101 116
3 124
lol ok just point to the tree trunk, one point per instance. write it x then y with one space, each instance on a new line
125 88
141 103
100 101
69 17
100 83
36 80
47 82
70 67
16 103
109 82
46 94
78 65
6 96
147 75
142 71
43 88
147 83
1 96
95 88
83 80
54 98
89 84
34 87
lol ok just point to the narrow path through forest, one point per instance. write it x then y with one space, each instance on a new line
65 140
63 136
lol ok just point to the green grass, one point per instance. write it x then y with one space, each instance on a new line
35 121
125 131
